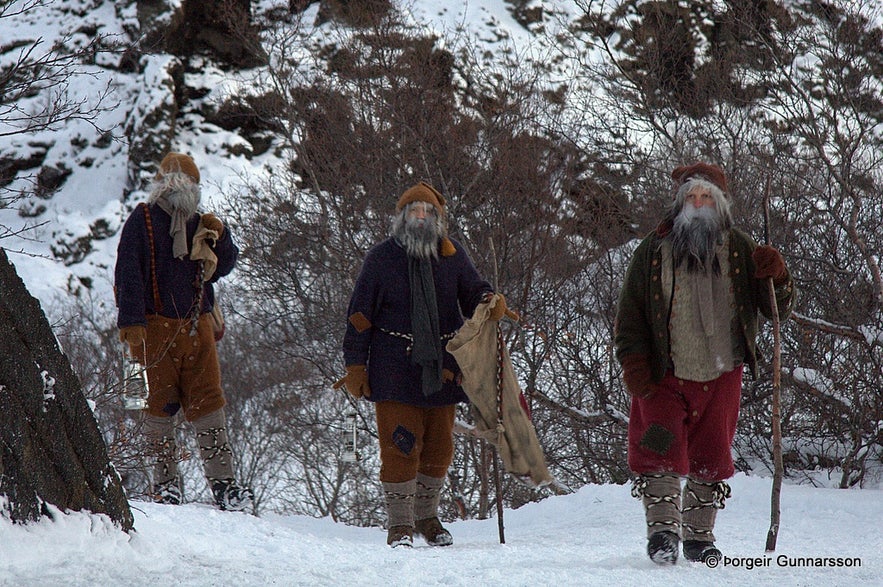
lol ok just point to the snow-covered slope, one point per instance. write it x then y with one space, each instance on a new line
593 537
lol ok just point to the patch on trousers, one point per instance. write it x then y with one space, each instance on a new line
171 408
657 439
404 439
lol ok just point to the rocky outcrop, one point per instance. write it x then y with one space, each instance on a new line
51 450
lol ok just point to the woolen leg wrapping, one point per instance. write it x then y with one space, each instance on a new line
662 500
427 496
400 502
700 510
211 435
160 434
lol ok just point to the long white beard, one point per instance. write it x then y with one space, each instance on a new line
695 236
418 237
179 192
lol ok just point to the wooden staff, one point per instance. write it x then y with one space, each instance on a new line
498 481
778 466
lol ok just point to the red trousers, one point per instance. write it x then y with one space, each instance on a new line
686 427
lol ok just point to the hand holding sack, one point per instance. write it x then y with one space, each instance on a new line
500 309
355 381
636 376
212 222
135 336
769 264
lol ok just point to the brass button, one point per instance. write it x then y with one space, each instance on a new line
704 388
680 381
736 271
695 413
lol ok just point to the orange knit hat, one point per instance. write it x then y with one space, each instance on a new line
178 163
422 192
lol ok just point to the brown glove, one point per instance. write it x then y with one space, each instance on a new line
212 222
636 376
500 309
134 337
769 263
355 380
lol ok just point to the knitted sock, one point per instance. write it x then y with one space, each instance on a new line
427 496
701 501
211 436
160 434
400 502
661 496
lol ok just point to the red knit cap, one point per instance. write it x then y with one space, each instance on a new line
422 192
178 163
706 171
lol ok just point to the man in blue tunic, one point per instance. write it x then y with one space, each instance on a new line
165 296
409 300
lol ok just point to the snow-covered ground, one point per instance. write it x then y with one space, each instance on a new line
593 537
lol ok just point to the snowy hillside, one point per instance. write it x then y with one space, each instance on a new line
85 213
594 537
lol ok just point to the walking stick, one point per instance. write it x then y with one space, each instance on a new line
778 466
496 456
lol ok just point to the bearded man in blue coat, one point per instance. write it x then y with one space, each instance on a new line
165 296
409 299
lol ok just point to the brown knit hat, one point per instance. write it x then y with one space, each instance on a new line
178 163
706 171
422 192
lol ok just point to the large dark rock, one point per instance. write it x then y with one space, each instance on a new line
221 28
51 451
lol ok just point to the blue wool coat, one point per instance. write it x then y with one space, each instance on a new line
176 277
380 307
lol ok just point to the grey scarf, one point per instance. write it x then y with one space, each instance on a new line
178 230
427 349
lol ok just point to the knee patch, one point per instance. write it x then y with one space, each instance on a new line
404 439
657 439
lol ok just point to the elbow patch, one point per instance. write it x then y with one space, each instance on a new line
360 322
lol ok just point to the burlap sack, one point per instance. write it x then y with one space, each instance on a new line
475 348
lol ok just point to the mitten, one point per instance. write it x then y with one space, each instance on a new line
769 263
500 309
134 336
212 222
355 381
636 376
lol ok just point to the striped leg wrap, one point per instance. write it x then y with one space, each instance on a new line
701 501
661 496
400 502
217 456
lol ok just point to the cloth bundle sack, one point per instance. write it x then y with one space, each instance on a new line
475 348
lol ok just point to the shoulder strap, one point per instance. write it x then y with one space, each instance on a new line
157 303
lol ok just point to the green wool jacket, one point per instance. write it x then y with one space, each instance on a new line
642 318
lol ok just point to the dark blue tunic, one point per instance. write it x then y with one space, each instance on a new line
175 277
383 295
